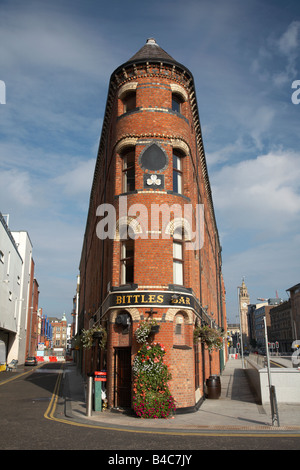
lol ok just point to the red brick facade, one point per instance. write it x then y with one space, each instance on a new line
146 139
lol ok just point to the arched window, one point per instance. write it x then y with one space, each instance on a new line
127 97
179 329
127 255
176 102
178 256
179 96
177 172
129 101
128 171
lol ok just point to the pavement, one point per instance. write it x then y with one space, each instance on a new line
236 410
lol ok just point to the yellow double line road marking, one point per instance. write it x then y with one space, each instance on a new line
49 413
17 376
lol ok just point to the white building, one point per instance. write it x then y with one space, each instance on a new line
15 269
25 249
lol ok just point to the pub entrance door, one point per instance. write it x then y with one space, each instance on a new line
122 391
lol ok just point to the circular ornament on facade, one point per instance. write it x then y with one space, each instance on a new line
153 158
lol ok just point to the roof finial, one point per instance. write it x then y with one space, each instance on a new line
151 41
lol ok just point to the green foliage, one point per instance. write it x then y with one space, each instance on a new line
88 339
144 329
213 338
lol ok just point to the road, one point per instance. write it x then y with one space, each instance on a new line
32 418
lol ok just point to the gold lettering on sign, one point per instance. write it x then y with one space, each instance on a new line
129 299
182 300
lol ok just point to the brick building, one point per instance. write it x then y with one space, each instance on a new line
282 330
59 334
32 316
294 293
151 247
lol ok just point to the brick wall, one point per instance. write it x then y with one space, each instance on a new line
152 120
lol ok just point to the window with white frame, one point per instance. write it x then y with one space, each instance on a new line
177 172
127 255
178 256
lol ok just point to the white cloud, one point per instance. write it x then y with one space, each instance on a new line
269 267
16 184
289 41
262 194
64 42
277 56
77 180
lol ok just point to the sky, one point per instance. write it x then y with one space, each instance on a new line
56 59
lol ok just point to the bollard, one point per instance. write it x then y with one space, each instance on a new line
89 395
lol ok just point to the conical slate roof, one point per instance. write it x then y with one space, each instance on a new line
151 50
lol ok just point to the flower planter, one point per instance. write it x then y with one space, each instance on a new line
96 333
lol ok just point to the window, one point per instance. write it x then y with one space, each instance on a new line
128 171
177 172
176 103
179 333
127 262
127 255
129 101
178 257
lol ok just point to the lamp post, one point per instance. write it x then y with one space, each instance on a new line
273 401
241 330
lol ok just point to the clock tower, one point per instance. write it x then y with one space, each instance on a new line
244 301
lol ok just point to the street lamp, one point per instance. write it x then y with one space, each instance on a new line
241 331
273 401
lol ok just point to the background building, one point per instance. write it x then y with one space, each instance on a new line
295 307
32 316
281 330
11 264
16 290
151 155
244 301
59 335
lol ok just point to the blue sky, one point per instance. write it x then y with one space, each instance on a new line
56 59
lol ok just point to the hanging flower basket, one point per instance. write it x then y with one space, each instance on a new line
211 337
97 333
144 329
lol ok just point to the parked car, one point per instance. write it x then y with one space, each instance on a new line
31 361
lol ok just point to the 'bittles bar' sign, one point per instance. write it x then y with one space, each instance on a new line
151 299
